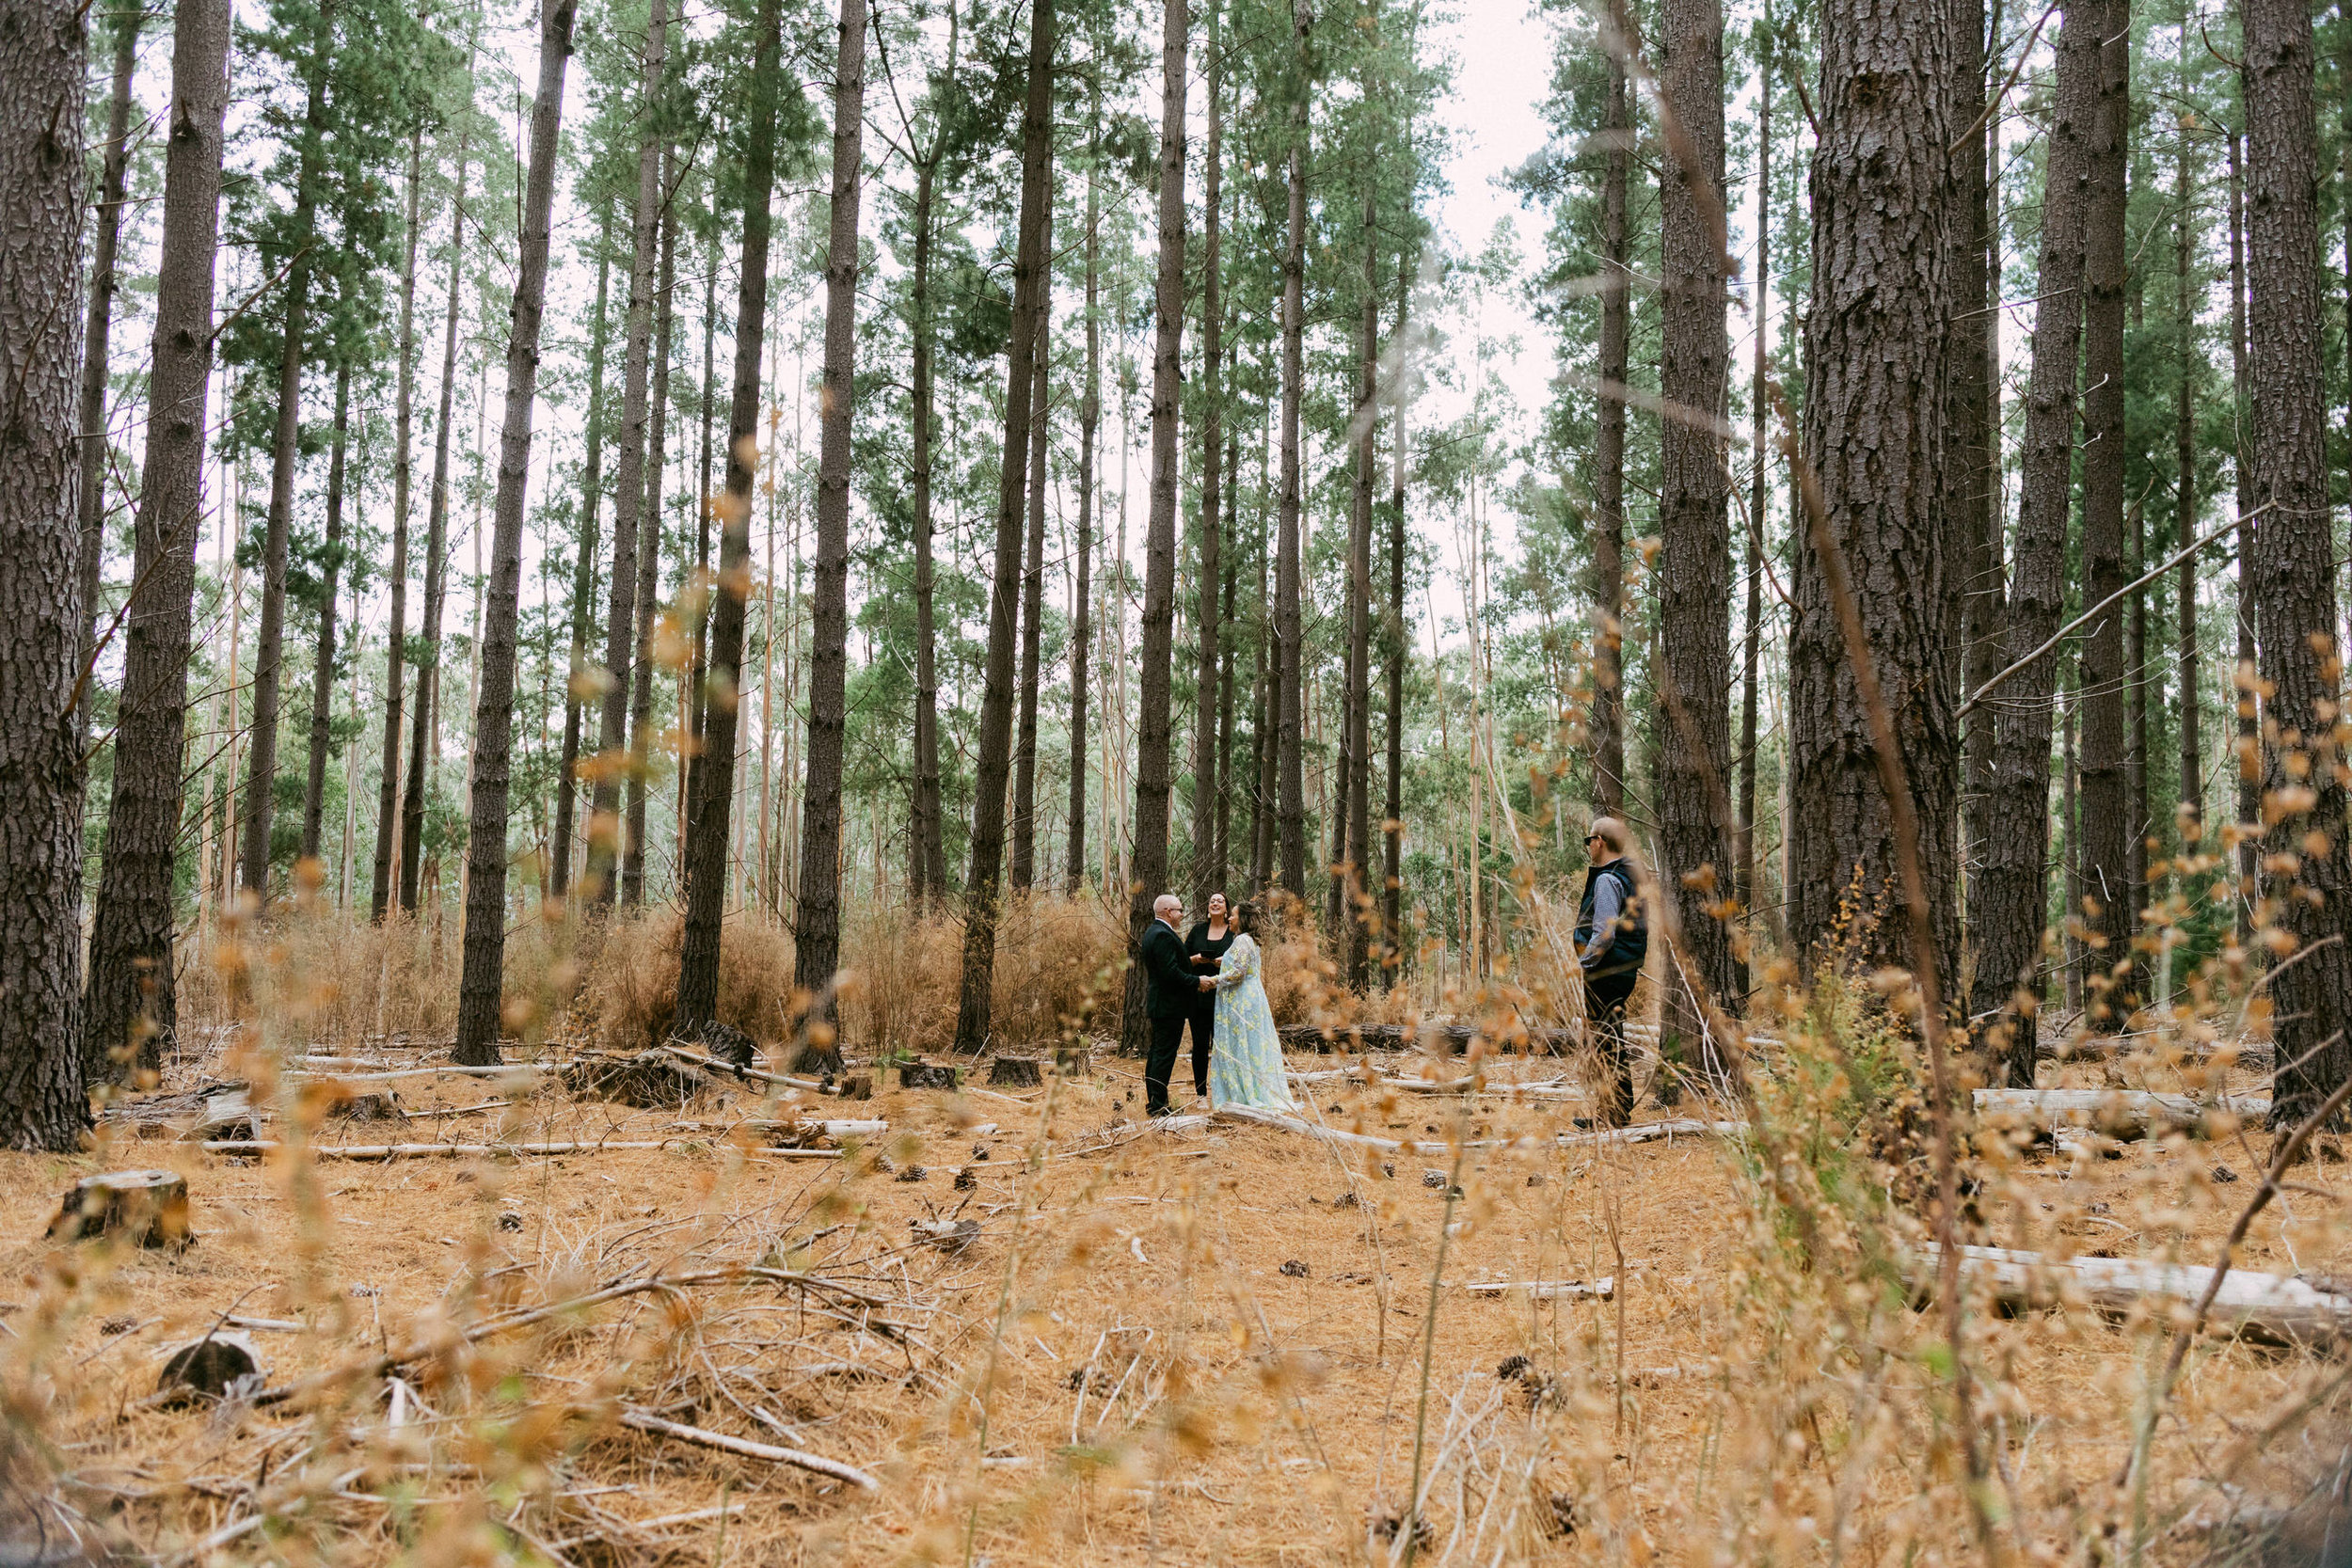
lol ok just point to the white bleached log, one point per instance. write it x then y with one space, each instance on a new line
2119 1113
1640 1133
2268 1306
423 1151
1603 1289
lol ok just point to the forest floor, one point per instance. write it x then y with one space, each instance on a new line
1222 1343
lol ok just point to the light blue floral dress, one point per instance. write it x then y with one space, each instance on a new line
1246 1066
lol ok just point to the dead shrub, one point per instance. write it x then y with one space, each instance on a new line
631 989
1058 960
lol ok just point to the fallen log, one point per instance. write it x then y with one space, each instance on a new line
2269 1306
2119 1113
425 1151
645 1420
1603 1289
1639 1132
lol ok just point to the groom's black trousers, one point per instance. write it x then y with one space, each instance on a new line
1168 1034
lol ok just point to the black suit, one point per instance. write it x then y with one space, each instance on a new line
1169 970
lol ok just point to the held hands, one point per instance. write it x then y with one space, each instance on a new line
1208 982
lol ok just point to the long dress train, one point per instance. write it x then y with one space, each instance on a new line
1247 1067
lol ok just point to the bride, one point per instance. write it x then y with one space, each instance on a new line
1247 1067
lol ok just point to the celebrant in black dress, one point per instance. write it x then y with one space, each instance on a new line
1205 945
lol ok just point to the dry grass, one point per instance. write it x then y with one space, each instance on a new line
1197 1346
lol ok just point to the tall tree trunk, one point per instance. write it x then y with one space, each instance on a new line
2184 501
1090 417
2137 818
1751 648
96 335
2307 888
482 983
133 1000
1023 870
1693 648
585 568
1148 879
696 675
1355 722
707 853
994 761
1986 591
2106 741
1393 830
2008 898
1973 610
2248 745
1290 708
428 645
1616 331
924 831
1208 876
628 479
323 669
395 656
817 929
269 649
649 529
42 53
1875 363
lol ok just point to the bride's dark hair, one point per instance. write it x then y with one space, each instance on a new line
1243 917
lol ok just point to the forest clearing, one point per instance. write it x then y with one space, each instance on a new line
1215 781
1029 1326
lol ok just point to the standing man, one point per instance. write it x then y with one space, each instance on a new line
1169 1002
1612 940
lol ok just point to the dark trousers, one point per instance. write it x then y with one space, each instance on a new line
1604 1006
1168 1034
1203 1031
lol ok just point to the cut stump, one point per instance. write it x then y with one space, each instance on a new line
1014 1071
926 1075
210 1368
150 1207
858 1085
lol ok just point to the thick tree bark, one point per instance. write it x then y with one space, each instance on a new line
323 668
2306 885
1208 873
1149 876
585 568
925 853
132 1001
1616 328
1023 870
1356 911
2008 897
1985 592
1290 708
649 529
1090 417
994 761
817 928
395 653
1874 442
2106 786
482 983
269 646
428 643
42 50
628 479
707 853
97 333
1694 649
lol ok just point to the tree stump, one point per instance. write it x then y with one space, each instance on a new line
1074 1061
367 1107
210 1368
148 1206
926 1075
1014 1071
858 1085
